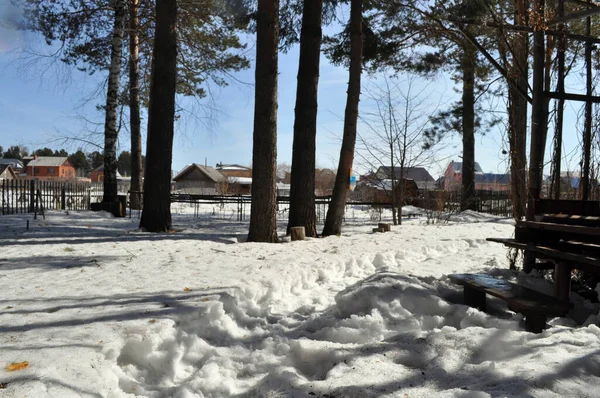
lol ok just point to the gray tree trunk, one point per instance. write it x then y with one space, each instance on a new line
302 192
112 102
134 106
156 215
263 214
335 213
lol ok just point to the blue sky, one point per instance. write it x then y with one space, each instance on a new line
37 110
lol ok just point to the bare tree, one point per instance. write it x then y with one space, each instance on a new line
394 138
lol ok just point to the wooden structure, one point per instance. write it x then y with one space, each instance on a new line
50 167
566 233
198 179
534 305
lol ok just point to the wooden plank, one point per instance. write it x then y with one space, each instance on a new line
578 260
568 228
521 299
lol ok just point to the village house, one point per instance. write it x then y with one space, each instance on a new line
97 175
238 179
50 168
452 179
15 164
199 180
420 175
7 172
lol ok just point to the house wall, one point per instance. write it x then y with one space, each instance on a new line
236 173
452 180
51 171
196 182
7 175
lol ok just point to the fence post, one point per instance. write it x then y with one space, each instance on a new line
63 198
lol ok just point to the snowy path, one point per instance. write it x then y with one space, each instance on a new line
99 309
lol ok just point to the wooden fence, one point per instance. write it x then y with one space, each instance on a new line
25 196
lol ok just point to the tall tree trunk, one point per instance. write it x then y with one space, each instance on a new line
335 213
112 102
538 119
302 193
560 108
263 215
134 106
468 126
518 114
587 131
156 215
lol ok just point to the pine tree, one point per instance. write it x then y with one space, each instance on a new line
156 214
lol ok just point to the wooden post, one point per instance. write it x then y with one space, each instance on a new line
474 298
562 281
298 233
63 198
384 227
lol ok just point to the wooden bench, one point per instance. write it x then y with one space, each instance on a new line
535 306
565 232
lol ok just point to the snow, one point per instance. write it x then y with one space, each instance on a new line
99 309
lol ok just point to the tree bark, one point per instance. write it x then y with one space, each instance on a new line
134 106
518 115
468 126
560 108
112 102
538 119
302 193
335 213
156 215
587 131
263 215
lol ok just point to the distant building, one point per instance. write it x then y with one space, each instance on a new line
7 172
199 180
239 179
492 182
419 175
97 175
234 170
49 168
15 164
453 175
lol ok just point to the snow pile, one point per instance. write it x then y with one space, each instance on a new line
98 308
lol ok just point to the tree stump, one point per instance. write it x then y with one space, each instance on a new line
385 227
298 233
378 230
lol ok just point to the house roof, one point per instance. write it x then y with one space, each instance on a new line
16 163
410 173
208 171
489 178
458 167
240 180
48 161
4 167
101 169
221 166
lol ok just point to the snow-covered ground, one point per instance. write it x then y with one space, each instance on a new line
99 309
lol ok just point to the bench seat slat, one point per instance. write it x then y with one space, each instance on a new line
519 298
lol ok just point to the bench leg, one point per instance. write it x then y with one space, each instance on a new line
535 323
562 281
474 298
528 261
